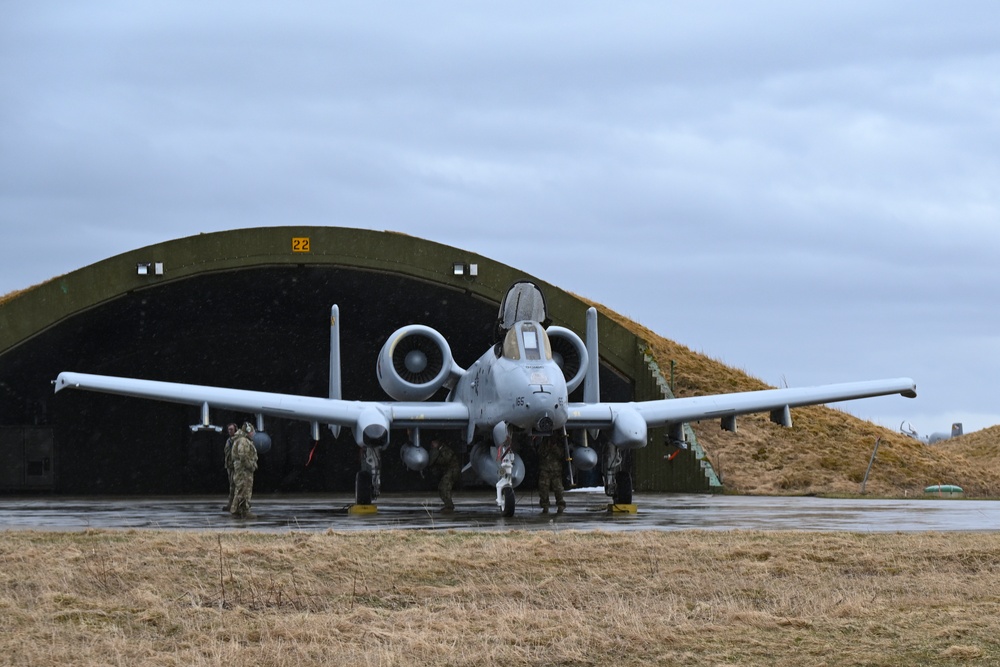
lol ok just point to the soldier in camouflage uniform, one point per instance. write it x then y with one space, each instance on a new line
244 456
444 461
228 450
551 456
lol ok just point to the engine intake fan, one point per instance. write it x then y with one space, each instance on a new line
414 363
570 354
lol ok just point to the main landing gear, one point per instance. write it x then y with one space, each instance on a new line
623 489
507 502
364 489
367 482
505 485
617 481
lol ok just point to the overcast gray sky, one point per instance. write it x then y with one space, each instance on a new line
809 192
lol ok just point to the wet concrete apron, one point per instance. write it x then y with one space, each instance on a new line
475 511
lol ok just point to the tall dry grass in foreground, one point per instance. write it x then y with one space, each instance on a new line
536 598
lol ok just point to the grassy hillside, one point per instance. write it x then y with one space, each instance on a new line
826 451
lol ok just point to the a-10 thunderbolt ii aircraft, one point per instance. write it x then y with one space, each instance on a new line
933 438
518 388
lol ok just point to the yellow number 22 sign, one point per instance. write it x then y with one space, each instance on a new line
300 244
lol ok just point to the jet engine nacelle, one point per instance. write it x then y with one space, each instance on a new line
414 363
570 354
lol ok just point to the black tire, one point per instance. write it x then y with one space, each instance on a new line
363 488
623 492
508 501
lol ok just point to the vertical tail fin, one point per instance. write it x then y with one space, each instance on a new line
335 390
592 380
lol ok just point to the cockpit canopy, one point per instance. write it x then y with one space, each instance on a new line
528 341
523 301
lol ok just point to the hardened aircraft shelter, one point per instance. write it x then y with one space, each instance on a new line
250 308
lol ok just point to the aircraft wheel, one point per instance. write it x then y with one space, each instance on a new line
363 488
508 501
623 493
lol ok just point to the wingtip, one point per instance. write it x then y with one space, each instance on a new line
60 382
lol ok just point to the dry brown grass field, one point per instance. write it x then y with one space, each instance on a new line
516 598
546 598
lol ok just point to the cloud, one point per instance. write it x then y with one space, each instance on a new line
805 191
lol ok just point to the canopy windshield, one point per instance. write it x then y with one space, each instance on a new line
528 341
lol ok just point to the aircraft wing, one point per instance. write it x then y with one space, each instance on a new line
356 415
629 420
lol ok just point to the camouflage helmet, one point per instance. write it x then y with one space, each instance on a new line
248 428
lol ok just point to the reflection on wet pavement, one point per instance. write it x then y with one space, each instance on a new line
586 511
